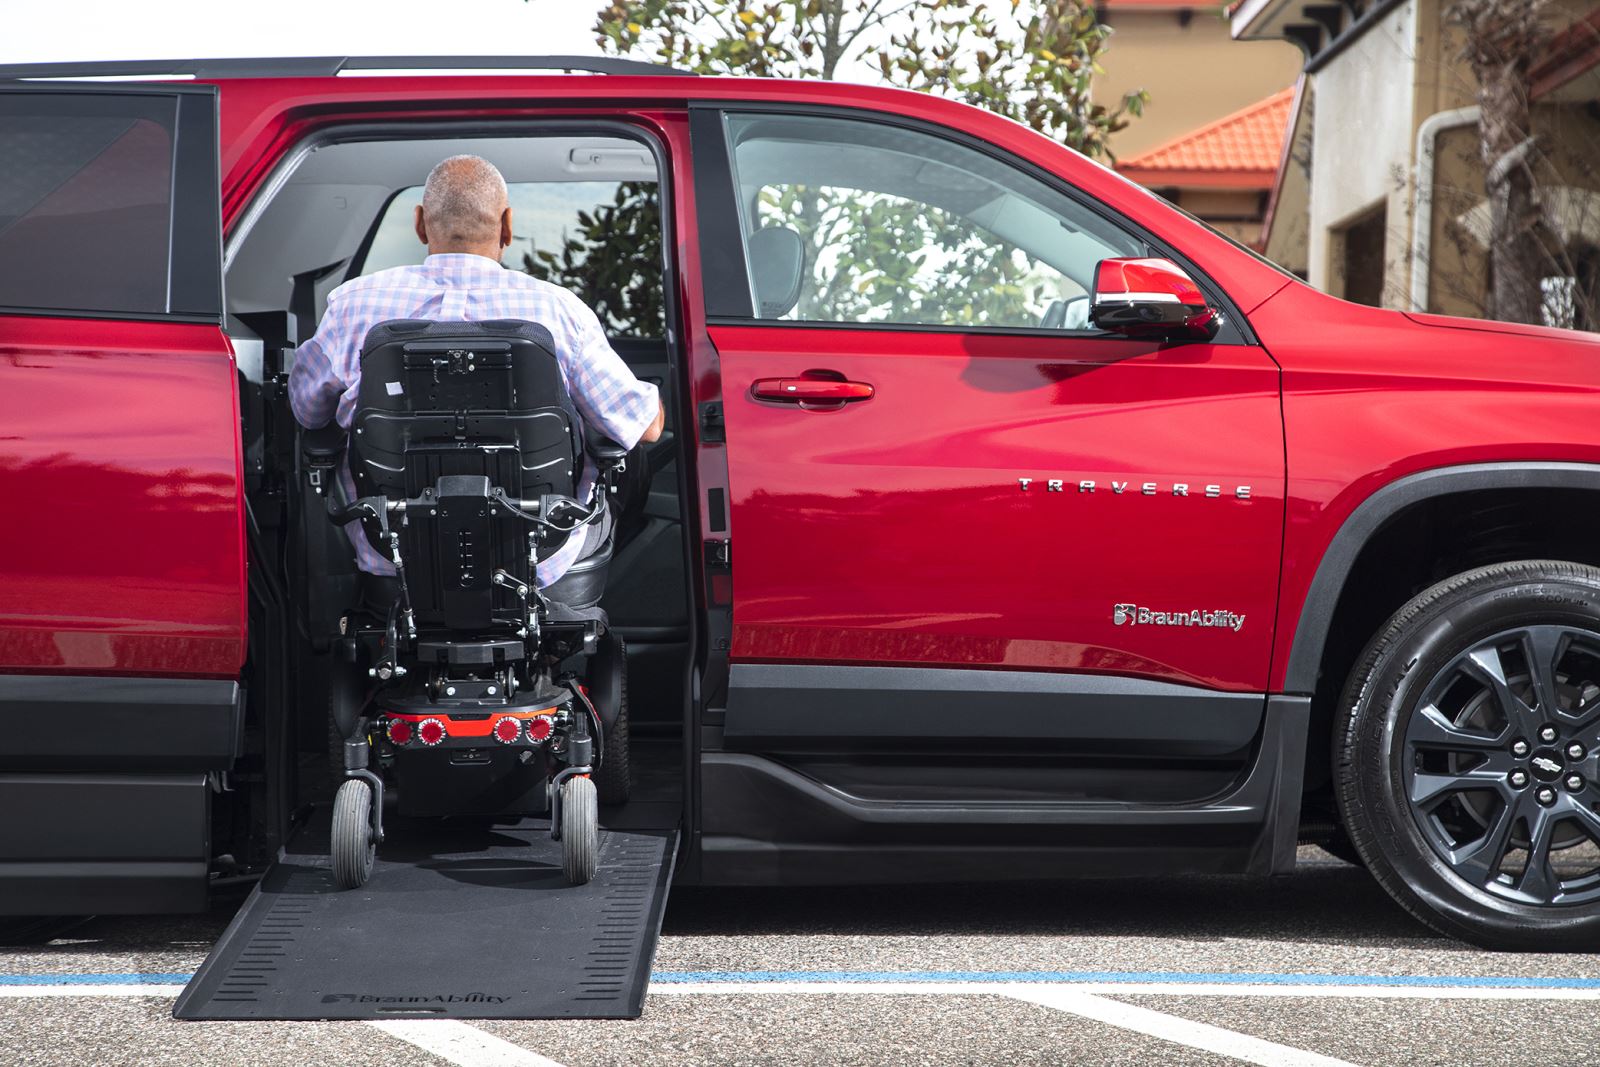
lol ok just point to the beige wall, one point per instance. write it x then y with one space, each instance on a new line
1362 139
1457 261
1288 242
1194 74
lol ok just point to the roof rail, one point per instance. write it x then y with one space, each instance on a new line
325 66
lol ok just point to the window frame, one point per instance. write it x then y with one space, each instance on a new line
730 302
194 289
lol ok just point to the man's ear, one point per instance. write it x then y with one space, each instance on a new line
422 227
505 228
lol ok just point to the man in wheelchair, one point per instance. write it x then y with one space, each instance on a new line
486 420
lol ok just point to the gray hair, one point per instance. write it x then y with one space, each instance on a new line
463 199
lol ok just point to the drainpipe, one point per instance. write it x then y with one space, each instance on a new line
1422 207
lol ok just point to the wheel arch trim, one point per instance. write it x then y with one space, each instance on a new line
1374 513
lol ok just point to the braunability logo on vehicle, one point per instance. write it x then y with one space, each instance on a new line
437 998
1134 615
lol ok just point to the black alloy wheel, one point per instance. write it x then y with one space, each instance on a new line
1501 758
1468 751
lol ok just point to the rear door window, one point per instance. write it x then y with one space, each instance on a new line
600 239
99 211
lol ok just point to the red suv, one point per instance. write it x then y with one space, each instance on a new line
1072 538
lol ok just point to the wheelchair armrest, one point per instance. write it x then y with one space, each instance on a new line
321 451
603 450
323 447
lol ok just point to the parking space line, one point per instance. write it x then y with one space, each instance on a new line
1184 989
17 991
461 1044
1147 978
1152 983
1185 1032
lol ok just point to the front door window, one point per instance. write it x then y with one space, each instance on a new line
891 225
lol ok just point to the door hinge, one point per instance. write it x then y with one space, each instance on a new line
711 430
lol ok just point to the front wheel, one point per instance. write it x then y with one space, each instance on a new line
580 829
353 849
1468 756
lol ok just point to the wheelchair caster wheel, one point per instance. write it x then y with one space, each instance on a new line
580 829
352 845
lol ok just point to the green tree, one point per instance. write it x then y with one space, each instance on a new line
1034 64
871 255
613 261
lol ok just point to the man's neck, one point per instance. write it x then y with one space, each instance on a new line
494 256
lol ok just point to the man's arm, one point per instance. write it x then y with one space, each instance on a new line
604 389
314 387
653 431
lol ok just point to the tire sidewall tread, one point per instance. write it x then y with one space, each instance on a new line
1390 675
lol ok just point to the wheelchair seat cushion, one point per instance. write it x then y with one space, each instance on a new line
585 580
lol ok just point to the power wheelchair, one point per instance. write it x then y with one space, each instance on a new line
456 683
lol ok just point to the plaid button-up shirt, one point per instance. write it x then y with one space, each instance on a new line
457 287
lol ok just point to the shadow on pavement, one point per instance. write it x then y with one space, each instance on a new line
1325 900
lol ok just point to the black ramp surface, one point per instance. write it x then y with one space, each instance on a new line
460 921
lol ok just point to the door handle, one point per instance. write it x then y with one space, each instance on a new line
810 390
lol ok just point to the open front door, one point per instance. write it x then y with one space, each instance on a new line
122 574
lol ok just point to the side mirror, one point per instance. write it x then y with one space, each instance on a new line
1151 299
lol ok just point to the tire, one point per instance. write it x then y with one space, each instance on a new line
353 850
1467 756
613 779
580 829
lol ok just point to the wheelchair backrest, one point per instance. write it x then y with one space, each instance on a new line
449 411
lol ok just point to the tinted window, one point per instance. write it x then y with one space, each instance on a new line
855 221
601 239
85 201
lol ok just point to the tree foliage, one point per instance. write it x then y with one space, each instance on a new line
1033 63
871 255
1503 39
613 261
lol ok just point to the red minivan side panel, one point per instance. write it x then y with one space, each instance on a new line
122 550
894 530
1372 396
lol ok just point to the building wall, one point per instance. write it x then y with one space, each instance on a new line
1569 133
1195 73
1362 140
1288 239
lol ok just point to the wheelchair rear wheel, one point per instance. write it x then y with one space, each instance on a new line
353 848
580 829
613 778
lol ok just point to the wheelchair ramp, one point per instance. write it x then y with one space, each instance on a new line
460 921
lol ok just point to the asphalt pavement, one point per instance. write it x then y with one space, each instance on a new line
1320 969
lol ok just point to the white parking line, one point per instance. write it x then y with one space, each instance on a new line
1113 989
26 992
461 1044
1185 1032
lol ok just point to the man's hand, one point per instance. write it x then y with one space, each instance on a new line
653 431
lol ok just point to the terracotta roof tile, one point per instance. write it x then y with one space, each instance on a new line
1241 150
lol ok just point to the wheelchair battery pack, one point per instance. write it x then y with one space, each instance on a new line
471 781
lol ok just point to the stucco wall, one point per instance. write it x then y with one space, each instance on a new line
1361 147
1195 73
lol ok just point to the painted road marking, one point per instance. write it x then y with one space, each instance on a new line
1173 983
1382 992
1137 977
1185 1032
18 991
461 1044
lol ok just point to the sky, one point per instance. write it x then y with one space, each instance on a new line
39 31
